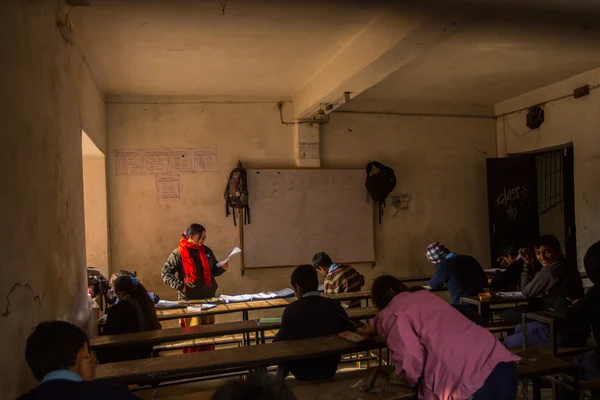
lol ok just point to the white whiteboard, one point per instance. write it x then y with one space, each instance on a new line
297 213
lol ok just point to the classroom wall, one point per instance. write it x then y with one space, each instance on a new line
440 162
567 121
45 95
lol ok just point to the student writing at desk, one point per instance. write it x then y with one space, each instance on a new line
191 270
461 273
439 349
585 311
311 316
557 281
135 312
111 296
339 278
59 357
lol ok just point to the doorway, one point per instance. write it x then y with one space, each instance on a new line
529 195
94 202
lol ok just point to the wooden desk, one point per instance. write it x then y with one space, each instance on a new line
362 295
493 300
418 278
204 331
159 369
243 307
535 365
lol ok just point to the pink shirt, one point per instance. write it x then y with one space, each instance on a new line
437 347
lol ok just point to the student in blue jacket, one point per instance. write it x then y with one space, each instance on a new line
461 273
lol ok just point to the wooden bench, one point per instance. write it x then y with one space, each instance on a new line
215 341
154 370
501 326
160 336
343 386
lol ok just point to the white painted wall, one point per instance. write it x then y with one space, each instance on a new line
566 121
46 96
440 161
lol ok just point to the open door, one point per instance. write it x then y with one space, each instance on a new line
512 203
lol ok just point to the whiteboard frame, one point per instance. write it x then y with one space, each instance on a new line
241 220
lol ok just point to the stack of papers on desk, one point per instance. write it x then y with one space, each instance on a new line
167 304
287 292
509 294
199 307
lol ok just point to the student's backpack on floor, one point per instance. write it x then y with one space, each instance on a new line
380 183
236 193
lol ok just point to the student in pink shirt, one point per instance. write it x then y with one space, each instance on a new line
437 348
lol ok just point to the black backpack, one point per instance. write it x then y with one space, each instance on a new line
236 193
380 183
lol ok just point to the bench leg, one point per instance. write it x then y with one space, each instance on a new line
537 389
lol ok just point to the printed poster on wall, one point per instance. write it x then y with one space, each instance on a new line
205 160
156 162
128 162
167 187
181 161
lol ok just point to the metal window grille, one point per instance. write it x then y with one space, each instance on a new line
550 180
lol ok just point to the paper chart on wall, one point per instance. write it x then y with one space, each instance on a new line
181 161
308 151
128 162
167 187
156 162
205 160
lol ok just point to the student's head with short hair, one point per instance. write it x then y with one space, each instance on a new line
591 263
254 389
304 279
119 273
547 250
195 233
59 345
385 288
321 262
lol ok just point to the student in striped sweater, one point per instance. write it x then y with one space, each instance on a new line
339 278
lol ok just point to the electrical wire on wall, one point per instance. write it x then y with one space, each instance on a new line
505 124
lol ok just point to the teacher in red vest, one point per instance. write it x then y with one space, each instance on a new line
191 270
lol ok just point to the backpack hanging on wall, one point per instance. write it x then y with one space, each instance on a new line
380 183
236 193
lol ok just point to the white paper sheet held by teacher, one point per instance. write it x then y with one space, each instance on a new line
225 261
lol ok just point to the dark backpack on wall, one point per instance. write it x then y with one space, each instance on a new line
380 183
236 193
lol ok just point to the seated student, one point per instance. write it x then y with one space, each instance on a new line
311 316
339 278
558 281
509 279
586 311
439 349
134 312
261 388
461 273
59 357
111 297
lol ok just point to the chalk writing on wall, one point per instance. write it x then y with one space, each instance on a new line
510 199
205 160
181 161
128 162
167 187
156 162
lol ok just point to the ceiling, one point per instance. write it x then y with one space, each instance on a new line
492 60
187 47
274 47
